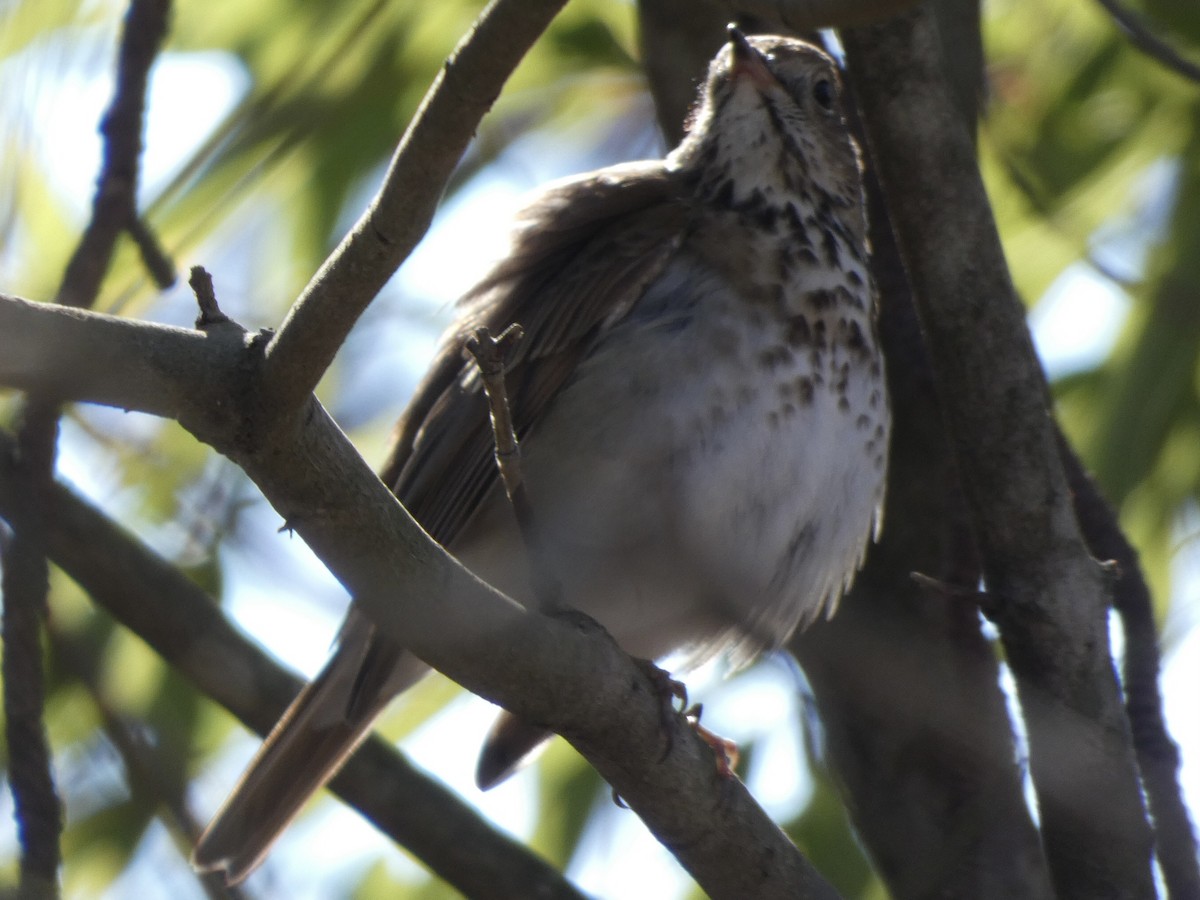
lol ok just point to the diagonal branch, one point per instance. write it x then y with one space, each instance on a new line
567 675
465 89
181 623
1049 597
1143 37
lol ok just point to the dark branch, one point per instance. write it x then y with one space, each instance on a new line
1049 594
920 741
201 284
154 258
26 578
317 324
114 207
37 807
1157 753
1142 36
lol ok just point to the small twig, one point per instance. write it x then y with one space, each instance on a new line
940 588
114 207
1142 37
492 356
201 284
160 266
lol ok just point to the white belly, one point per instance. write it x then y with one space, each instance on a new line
689 495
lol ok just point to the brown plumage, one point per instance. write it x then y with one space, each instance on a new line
700 398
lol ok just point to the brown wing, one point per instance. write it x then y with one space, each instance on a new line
585 254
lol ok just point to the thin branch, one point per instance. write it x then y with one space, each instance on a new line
1157 753
1050 596
38 810
26 578
465 89
1142 36
154 257
114 207
184 626
492 356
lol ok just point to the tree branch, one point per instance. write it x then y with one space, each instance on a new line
567 675
71 354
1143 37
465 89
920 741
183 625
1048 595
39 811
1157 753
114 207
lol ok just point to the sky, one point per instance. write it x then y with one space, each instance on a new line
1073 326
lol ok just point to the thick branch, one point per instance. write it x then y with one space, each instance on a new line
567 675
920 741
70 354
466 88
1048 595
183 625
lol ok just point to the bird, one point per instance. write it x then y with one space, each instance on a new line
700 400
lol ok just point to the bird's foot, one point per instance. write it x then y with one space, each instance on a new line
669 690
725 750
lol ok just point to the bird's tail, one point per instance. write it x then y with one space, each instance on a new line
322 727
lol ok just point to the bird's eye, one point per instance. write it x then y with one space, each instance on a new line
824 93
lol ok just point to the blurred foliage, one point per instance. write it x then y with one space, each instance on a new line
1090 149
1092 154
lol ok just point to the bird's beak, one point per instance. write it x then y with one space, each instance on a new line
747 61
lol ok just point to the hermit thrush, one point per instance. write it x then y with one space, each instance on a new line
701 404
